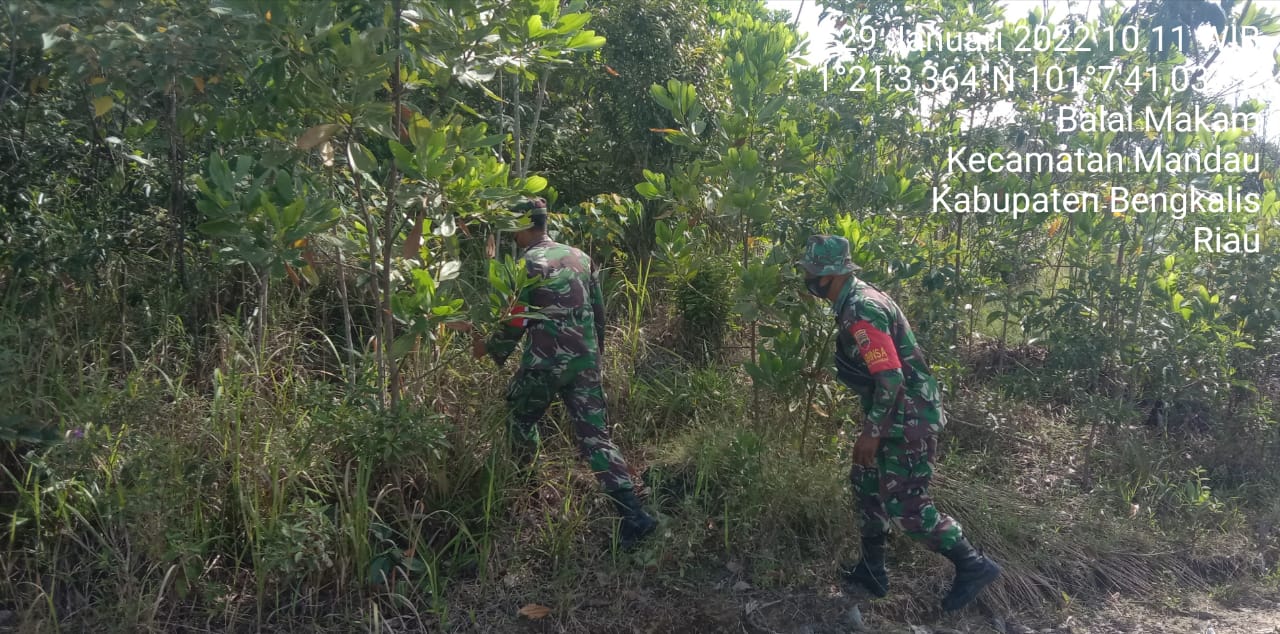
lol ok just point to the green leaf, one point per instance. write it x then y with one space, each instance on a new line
489 141
403 157
659 95
221 173
585 41
571 22
648 190
220 228
534 184
102 105
273 215
243 165
310 274
497 277
379 570
770 108
293 212
403 345
361 159
534 25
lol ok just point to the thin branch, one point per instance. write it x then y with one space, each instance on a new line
372 231
519 155
537 115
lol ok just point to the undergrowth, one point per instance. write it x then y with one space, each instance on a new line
278 495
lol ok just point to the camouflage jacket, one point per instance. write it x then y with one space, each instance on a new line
571 336
877 357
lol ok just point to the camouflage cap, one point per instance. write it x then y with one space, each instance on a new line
530 206
827 255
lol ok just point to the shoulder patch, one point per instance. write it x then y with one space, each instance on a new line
861 336
876 347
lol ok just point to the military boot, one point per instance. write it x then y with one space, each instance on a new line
869 572
636 523
973 572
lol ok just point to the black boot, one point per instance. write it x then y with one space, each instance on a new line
869 572
973 572
636 523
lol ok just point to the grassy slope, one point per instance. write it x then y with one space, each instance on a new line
255 496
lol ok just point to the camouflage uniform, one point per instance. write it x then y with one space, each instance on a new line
878 359
561 356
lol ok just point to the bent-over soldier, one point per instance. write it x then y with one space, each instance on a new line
878 359
562 356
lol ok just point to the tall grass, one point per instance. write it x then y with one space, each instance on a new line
269 493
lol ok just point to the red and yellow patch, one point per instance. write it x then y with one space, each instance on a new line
876 347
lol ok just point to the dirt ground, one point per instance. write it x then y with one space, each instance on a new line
747 611
839 614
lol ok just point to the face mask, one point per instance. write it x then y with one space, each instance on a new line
816 287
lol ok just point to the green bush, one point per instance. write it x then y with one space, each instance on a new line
703 304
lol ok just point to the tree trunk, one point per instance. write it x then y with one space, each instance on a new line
533 130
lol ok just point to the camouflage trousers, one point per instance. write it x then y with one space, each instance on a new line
529 395
895 494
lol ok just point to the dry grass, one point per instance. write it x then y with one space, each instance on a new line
741 507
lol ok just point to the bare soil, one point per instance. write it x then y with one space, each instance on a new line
797 612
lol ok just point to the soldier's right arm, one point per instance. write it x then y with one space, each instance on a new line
502 343
506 338
869 327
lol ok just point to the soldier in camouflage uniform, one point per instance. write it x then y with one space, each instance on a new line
878 359
562 355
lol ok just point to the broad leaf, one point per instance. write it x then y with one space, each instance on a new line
102 105
534 184
220 228
361 159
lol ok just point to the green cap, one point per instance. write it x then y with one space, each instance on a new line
530 206
827 255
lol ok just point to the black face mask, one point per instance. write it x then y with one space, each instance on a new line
816 287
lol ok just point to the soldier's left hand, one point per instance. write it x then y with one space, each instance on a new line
864 450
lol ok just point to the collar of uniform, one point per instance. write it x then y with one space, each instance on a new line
850 286
545 239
